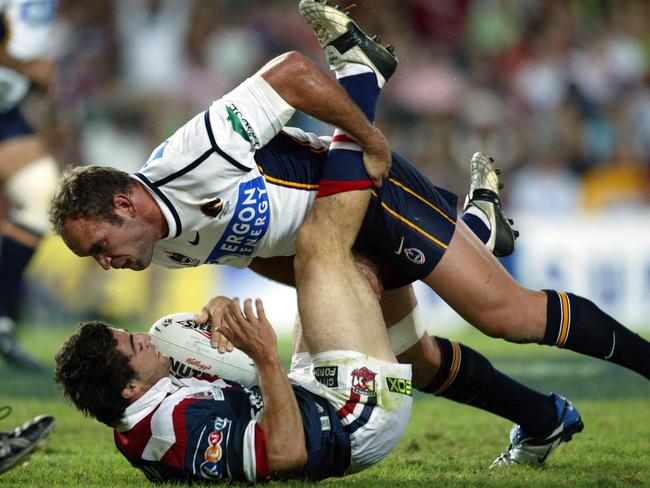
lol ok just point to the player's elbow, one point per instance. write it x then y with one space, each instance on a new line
288 74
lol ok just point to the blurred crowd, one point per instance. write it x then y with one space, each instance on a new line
558 91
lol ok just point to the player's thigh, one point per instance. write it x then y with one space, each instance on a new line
475 284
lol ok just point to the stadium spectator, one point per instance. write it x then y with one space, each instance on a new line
28 173
16 446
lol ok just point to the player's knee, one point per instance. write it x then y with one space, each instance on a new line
30 191
515 320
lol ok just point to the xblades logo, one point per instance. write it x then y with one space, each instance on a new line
195 241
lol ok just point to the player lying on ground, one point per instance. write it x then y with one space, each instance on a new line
338 412
232 187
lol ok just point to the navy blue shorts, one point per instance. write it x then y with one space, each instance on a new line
409 222
408 225
13 124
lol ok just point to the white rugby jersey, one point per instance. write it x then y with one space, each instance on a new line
217 203
27 26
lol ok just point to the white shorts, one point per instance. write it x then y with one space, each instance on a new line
372 398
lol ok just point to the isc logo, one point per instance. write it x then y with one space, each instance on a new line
399 385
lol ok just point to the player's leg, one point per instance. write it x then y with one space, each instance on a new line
29 176
454 371
361 66
472 282
338 308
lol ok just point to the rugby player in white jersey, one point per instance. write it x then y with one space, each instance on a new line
343 408
232 185
28 173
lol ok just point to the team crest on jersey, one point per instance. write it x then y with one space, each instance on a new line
182 260
414 255
213 208
363 381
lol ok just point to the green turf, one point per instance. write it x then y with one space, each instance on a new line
446 444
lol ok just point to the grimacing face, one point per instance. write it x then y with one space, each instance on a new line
146 360
129 245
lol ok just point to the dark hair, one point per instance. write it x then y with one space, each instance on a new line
87 192
93 372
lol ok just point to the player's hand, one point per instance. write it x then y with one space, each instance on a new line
370 271
250 332
377 158
213 313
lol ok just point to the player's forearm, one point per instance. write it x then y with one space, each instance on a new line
304 86
281 420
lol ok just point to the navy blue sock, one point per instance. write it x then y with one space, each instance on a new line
364 91
344 169
14 258
466 376
575 323
477 226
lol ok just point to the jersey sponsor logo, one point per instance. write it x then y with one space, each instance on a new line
213 208
414 255
181 259
249 222
327 375
212 455
241 126
363 381
399 385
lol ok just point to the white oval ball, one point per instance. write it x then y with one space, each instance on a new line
187 343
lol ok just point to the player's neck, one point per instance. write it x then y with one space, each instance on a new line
150 210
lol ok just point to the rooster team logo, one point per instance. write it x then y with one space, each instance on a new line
363 381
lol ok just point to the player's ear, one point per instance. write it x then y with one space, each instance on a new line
124 204
130 390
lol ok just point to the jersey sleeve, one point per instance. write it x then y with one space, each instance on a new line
228 447
247 118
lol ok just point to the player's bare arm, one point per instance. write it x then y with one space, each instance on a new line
281 420
39 71
304 86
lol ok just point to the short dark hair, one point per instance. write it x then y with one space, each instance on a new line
87 192
93 372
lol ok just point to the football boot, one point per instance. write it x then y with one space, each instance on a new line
534 450
344 42
16 446
484 195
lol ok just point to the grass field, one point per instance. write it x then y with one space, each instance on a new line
446 444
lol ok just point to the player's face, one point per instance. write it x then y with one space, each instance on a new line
147 361
129 245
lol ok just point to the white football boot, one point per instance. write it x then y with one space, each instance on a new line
344 42
484 195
